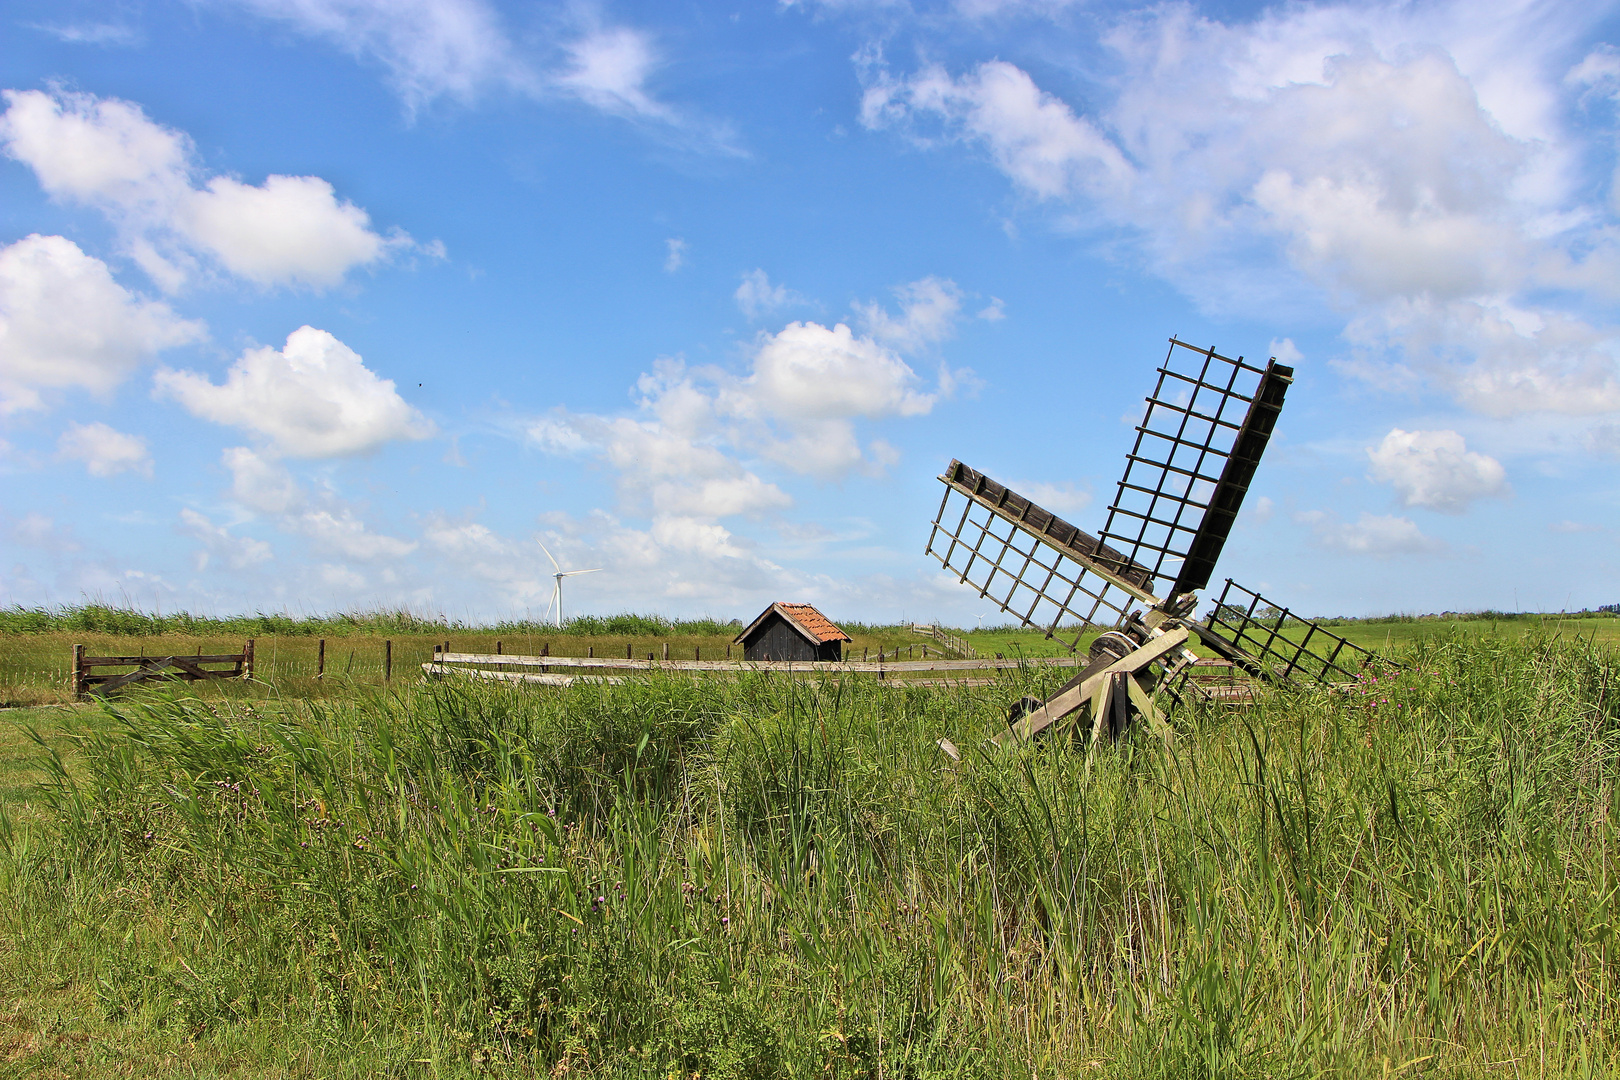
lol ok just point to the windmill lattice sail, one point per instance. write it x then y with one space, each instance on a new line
1208 421
1279 643
1028 561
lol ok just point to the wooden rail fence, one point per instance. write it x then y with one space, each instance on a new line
949 640
614 669
190 667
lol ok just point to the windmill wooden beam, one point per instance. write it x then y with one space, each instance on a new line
1095 690
1207 424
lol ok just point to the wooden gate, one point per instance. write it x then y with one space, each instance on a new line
87 681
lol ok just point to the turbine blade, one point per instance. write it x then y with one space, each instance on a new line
571 573
547 550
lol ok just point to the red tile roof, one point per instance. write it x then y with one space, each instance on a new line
812 623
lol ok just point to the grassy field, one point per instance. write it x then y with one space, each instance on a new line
764 878
36 668
36 648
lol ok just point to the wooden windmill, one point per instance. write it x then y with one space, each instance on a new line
1207 424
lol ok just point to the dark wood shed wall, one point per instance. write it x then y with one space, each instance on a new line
777 639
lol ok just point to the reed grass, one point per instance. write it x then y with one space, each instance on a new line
764 877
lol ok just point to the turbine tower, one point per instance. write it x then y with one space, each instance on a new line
556 593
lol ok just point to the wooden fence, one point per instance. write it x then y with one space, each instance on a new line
949 640
190 667
565 670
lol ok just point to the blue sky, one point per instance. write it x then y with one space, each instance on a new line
330 304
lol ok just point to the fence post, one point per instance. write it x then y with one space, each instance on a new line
666 650
627 650
388 660
697 652
545 648
590 651
79 685
247 661
320 660
497 648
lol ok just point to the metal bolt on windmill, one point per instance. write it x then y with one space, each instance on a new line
1207 424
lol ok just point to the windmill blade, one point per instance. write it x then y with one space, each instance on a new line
556 598
1275 644
571 573
1208 422
1028 561
547 550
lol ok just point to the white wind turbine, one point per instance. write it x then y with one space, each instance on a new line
556 593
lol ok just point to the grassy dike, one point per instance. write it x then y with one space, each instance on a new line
768 878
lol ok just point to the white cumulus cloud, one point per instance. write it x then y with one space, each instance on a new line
64 322
104 450
810 370
312 398
1031 135
797 405
1379 535
290 230
691 456
1435 469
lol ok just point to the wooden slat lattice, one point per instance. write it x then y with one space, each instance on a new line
1029 562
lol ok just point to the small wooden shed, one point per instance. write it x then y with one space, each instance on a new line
792 632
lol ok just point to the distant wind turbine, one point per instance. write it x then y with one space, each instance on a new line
556 593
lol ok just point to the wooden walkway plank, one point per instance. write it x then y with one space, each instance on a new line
845 666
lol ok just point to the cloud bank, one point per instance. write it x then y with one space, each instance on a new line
1410 167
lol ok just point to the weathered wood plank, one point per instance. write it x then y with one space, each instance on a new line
438 670
1067 702
205 658
613 663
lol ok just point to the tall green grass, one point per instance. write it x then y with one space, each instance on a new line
768 878
102 618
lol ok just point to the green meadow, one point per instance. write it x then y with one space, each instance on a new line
764 877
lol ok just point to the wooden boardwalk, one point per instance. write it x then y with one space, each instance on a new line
566 670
